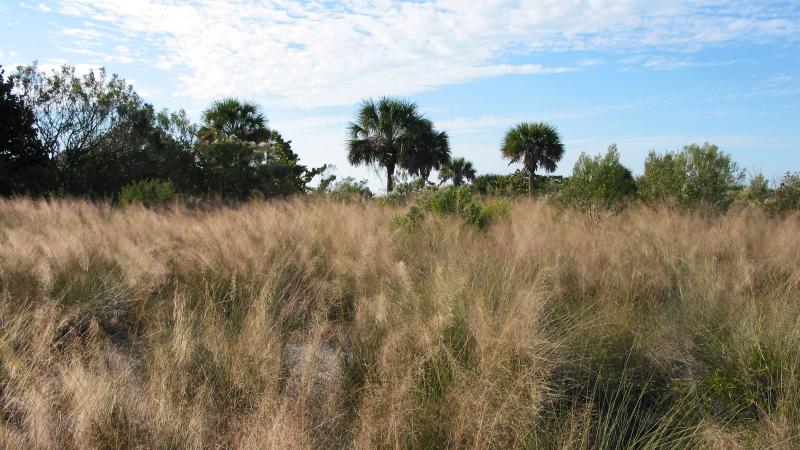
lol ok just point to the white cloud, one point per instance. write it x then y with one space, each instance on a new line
83 34
54 65
319 53
676 63
588 62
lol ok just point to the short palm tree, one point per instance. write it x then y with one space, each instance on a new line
383 134
234 118
458 170
536 145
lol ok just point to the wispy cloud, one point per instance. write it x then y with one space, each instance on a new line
478 125
318 53
670 62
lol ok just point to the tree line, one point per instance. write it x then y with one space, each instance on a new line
91 135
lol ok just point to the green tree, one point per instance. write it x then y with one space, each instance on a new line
24 165
429 151
600 184
231 118
458 170
101 135
787 195
537 145
391 133
694 176
229 167
240 157
282 174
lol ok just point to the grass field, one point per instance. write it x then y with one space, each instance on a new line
316 324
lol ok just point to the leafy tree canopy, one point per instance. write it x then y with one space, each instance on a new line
696 175
240 157
24 165
600 184
101 135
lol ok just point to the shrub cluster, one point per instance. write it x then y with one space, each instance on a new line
599 185
785 197
148 193
698 175
349 188
456 202
695 178
516 184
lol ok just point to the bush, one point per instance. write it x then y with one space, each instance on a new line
348 188
516 184
458 201
693 177
757 191
148 193
600 184
787 196
784 198
410 221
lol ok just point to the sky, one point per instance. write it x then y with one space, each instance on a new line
644 74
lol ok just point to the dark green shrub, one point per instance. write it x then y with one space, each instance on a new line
512 184
148 193
516 184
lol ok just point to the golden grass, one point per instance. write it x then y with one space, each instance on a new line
309 323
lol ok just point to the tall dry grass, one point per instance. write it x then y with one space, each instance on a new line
309 324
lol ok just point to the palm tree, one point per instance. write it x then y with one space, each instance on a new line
536 145
234 118
384 134
458 170
430 151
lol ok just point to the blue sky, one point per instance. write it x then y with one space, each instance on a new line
647 75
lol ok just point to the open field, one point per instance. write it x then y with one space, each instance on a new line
317 324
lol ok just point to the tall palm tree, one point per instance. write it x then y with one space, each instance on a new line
458 170
384 134
536 145
430 151
234 118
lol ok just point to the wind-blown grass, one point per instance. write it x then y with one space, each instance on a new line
312 323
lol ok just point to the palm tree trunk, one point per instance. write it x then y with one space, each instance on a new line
389 178
530 182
